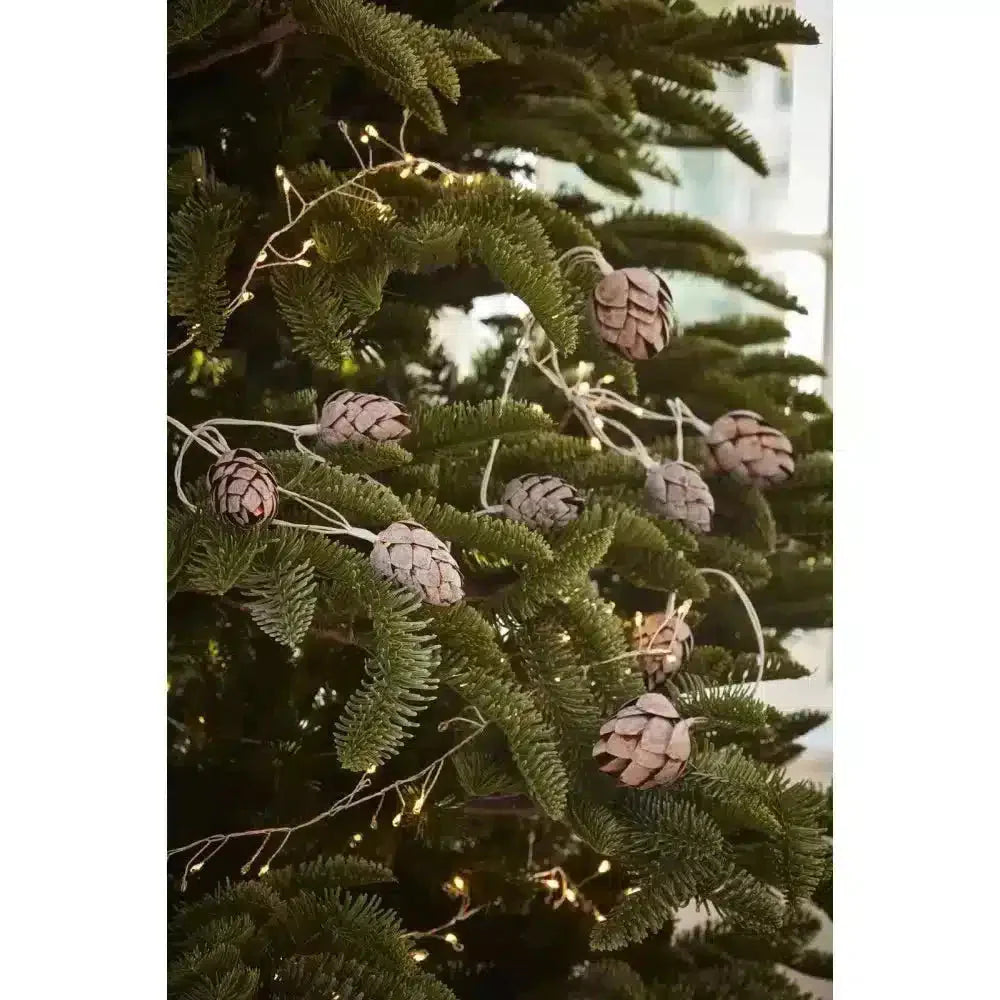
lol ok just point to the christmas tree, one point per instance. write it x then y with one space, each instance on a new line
463 667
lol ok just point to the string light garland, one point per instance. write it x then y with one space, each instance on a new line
427 776
269 256
457 887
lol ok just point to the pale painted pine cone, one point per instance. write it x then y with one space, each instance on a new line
419 561
676 491
646 744
361 416
541 501
633 312
742 445
243 490
662 631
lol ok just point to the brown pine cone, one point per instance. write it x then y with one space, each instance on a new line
409 554
243 490
662 631
541 501
676 491
646 744
633 311
741 444
361 416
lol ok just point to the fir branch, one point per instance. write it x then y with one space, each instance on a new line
268 35
506 540
474 666
459 426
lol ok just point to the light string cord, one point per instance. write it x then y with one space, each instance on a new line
588 401
751 611
337 524
519 354
348 801
568 259
595 423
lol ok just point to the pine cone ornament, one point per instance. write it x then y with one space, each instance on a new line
541 501
633 311
409 554
646 744
676 491
741 444
243 489
361 416
662 631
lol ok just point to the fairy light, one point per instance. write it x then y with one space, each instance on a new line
308 245
201 719
419 805
606 380
551 883
595 444
264 869
599 423
452 939
198 867
304 263
279 172
364 139
405 172
459 883
357 838
604 866
422 167
397 819
583 388
419 955
372 131
632 890
372 769
246 296
286 185
261 257
570 895
599 917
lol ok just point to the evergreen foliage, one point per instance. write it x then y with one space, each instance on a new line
302 684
